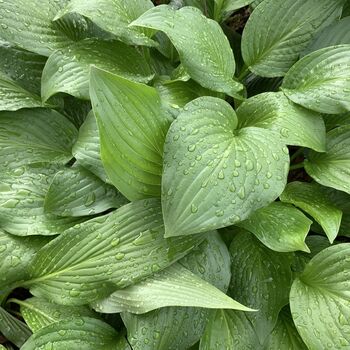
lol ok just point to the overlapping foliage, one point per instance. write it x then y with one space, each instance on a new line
167 183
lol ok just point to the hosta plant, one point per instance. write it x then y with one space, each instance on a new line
174 175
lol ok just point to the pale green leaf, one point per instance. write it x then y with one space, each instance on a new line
203 48
279 226
215 175
268 285
174 286
107 253
336 34
74 334
77 192
86 150
114 16
312 199
132 127
276 33
13 329
67 70
296 125
15 255
22 194
319 299
39 313
33 136
332 168
320 81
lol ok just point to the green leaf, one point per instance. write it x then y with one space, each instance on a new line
284 335
86 150
107 253
77 192
208 58
33 136
335 34
319 299
180 327
334 120
22 194
280 227
67 70
13 329
313 200
213 175
276 33
14 97
114 16
174 286
39 313
16 253
296 125
224 8
267 288
29 25
320 81
74 334
132 127
332 168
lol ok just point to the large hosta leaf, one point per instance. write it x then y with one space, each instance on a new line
77 192
22 194
281 227
177 328
39 313
132 127
276 32
315 201
79 333
87 148
107 253
67 70
35 135
214 174
208 58
29 25
267 287
332 168
319 299
15 255
296 125
320 81
114 16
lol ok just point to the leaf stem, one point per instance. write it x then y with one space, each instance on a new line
296 166
244 72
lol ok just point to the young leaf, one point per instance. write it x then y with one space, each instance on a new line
35 136
174 286
67 70
296 125
276 33
279 226
77 192
213 174
319 299
335 34
39 313
320 81
267 287
132 127
332 168
312 199
22 194
13 329
107 253
86 150
114 16
74 334
204 50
